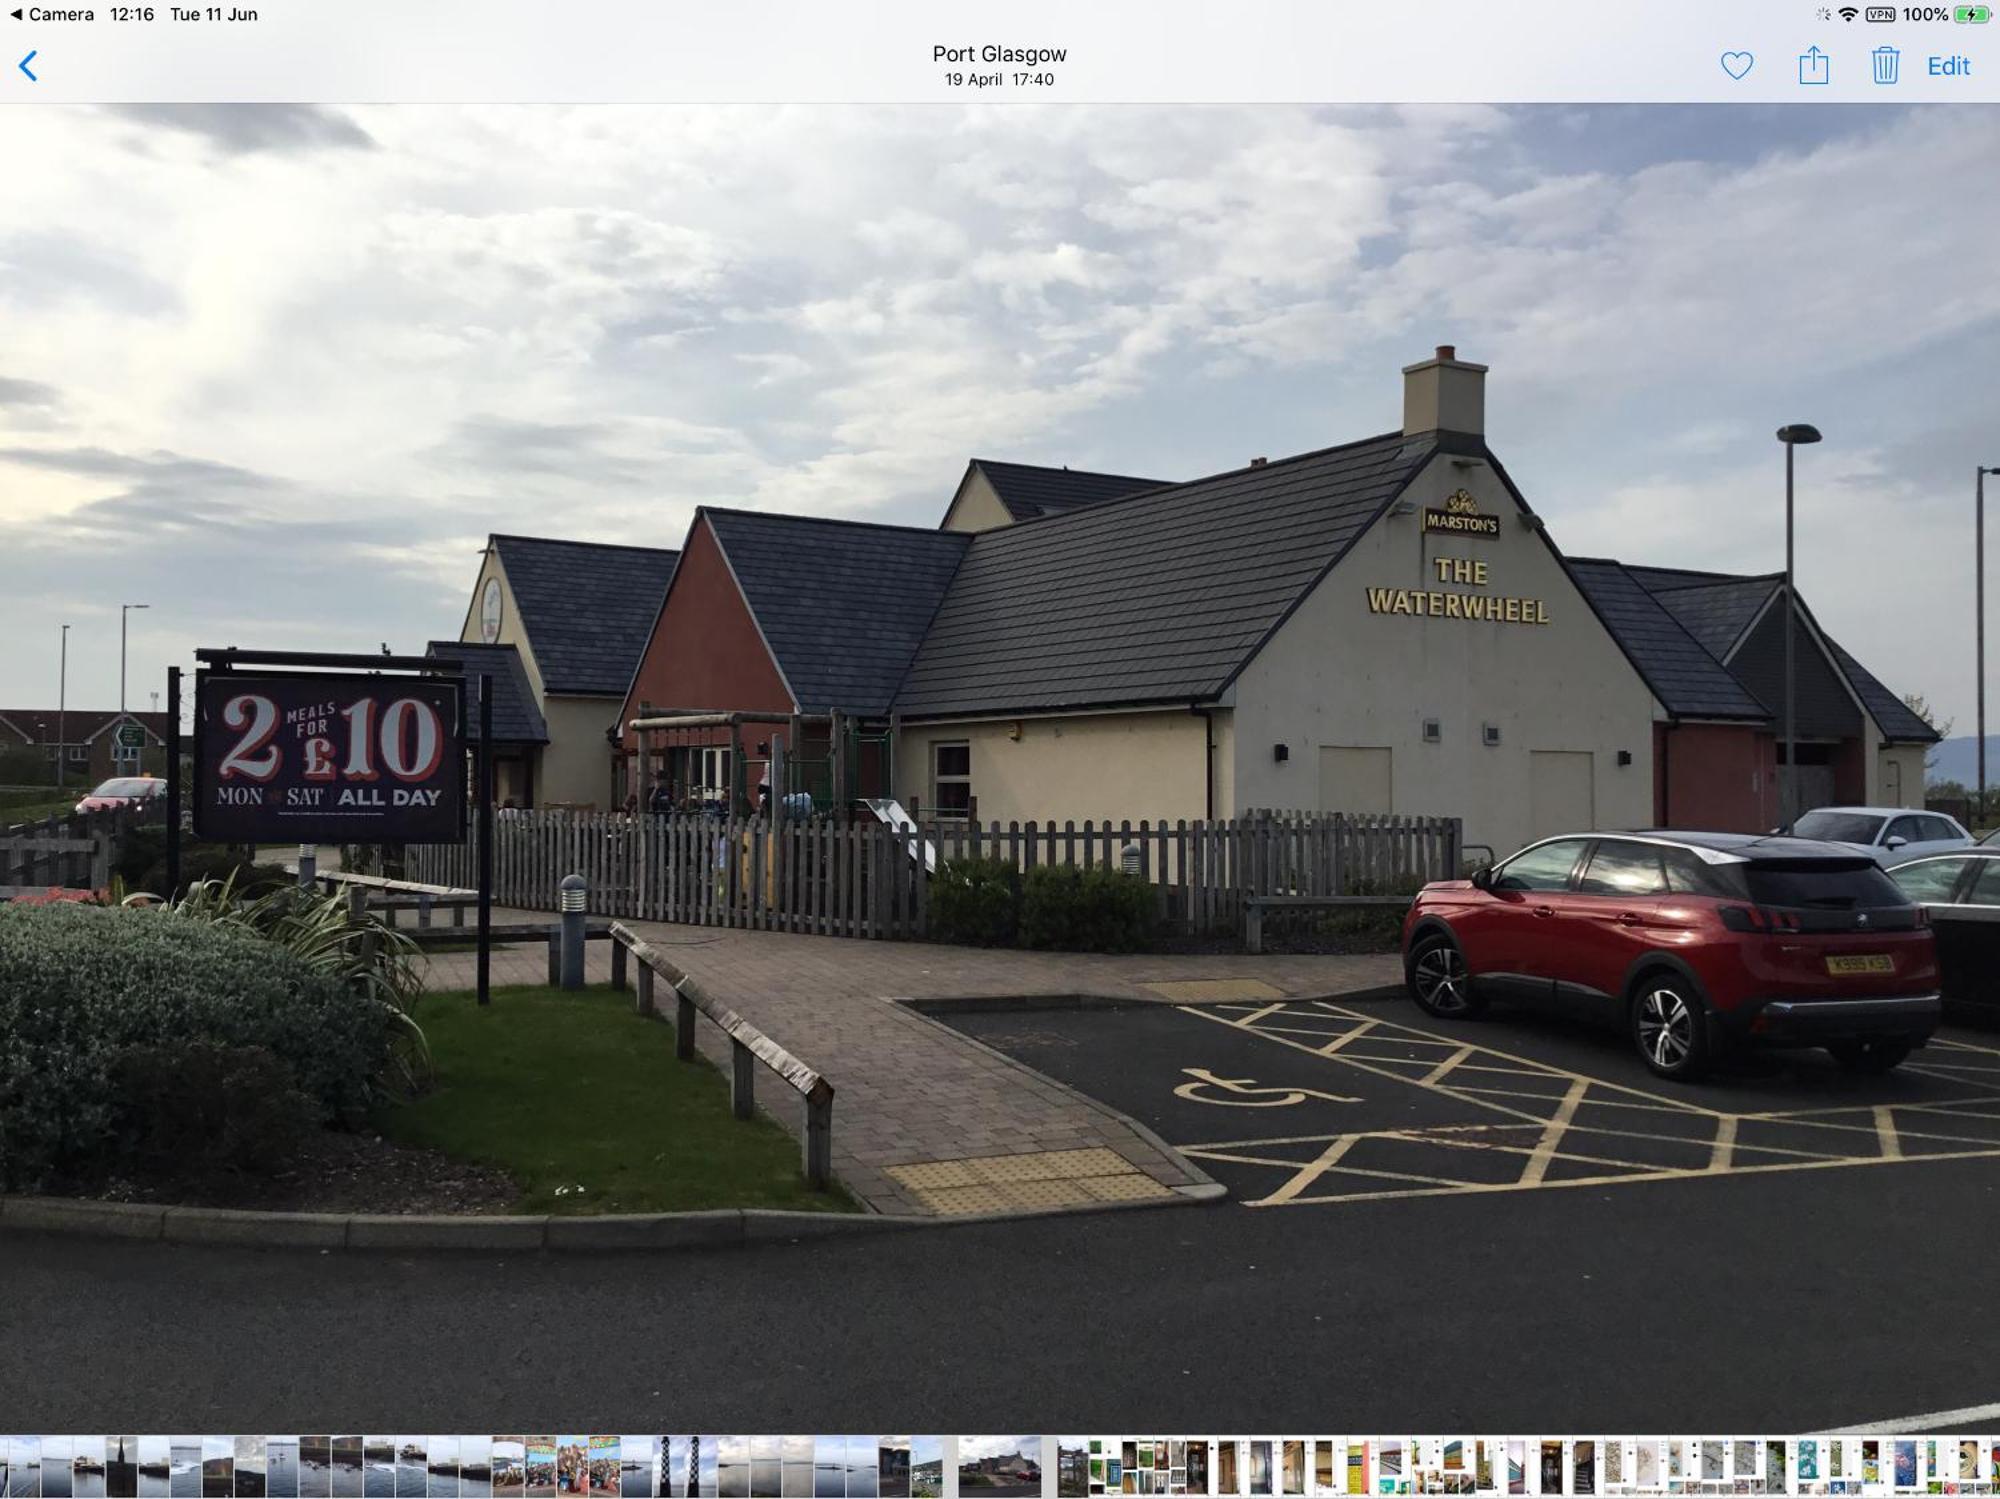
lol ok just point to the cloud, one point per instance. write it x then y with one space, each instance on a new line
239 129
27 393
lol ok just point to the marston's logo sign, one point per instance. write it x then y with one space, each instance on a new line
1461 516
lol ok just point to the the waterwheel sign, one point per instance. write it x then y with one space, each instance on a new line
324 758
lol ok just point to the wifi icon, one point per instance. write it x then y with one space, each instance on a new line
1849 12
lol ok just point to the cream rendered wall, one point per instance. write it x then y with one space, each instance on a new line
1911 758
576 762
976 507
510 620
1115 766
1337 674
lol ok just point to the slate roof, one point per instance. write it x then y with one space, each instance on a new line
1892 715
1683 674
1086 608
587 607
842 604
516 718
1029 491
1716 609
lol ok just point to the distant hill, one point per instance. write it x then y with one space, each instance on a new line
1958 760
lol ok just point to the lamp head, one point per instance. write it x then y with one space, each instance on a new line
1798 432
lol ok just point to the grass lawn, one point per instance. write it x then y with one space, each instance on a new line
573 1090
34 811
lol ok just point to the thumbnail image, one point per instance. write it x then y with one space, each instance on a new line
1808 1459
24 1467
184 1468
1743 1460
1646 1465
1322 1468
156 1469
797 1455
121 1467
1614 1462
603 1465
926 1467
1968 1458
999 1465
705 1456
732 1467
861 1472
541 1468
252 1454
315 1467
1517 1466
767 1468
829 1467
57 1479
1357 1467
572 1464
440 1467
86 1466
281 1467
638 1467
475 1467
348 1479
510 1466
1711 1462
218 1459
1197 1466
1482 1476
1552 1467
1292 1469
1871 1460
892 1464
1906 1464
1583 1467
378 1462
1260 1468
1773 1476
412 1459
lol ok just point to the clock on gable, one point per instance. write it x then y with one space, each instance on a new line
489 612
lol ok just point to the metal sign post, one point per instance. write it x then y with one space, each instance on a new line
485 799
173 780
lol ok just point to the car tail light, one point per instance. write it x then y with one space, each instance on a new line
1759 919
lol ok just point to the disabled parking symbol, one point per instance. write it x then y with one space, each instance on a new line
1244 1092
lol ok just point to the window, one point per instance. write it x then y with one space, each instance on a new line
1433 731
1986 889
1688 875
712 782
1618 868
1909 829
1939 829
1547 866
951 780
1929 881
1838 827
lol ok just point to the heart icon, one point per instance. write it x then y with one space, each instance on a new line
1736 64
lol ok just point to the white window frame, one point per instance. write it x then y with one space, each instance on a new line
938 807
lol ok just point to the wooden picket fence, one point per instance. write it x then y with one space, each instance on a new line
73 852
841 877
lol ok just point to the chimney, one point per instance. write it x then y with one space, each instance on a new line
1444 394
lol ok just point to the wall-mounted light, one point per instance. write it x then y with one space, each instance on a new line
1489 734
1014 731
1403 507
1433 731
1624 757
1281 753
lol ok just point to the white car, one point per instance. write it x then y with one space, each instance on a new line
1888 835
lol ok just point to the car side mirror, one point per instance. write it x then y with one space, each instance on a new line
1894 842
1482 877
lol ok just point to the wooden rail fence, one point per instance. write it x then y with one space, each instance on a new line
73 852
856 878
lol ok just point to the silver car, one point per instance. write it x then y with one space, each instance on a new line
1888 835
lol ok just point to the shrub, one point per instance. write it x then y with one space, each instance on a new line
976 902
195 1107
1079 910
142 865
81 987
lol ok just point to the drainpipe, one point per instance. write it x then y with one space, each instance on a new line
1667 776
1208 757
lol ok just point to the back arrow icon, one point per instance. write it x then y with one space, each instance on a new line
23 66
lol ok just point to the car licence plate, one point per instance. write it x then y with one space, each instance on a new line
1873 962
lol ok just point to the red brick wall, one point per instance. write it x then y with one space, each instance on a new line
1714 778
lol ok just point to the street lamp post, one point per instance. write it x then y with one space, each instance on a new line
62 710
1979 607
1791 437
124 613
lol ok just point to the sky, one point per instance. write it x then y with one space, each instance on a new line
278 371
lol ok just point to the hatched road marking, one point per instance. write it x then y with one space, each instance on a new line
1559 1128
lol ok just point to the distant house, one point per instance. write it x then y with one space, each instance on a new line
87 741
1000 494
576 615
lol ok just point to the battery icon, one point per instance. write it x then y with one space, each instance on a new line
1972 15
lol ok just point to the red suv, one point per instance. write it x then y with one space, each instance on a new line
1691 941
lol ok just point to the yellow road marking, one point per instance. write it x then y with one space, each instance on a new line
1464 1053
1725 1141
1321 1164
1538 1160
1885 1127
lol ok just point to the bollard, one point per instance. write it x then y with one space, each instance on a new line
1128 858
308 864
575 896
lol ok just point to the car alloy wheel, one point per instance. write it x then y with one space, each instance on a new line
1439 981
1668 1027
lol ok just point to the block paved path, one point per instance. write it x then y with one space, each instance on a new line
924 1119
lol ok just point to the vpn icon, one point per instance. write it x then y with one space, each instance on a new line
1736 64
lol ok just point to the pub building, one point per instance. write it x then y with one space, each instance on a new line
1382 626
